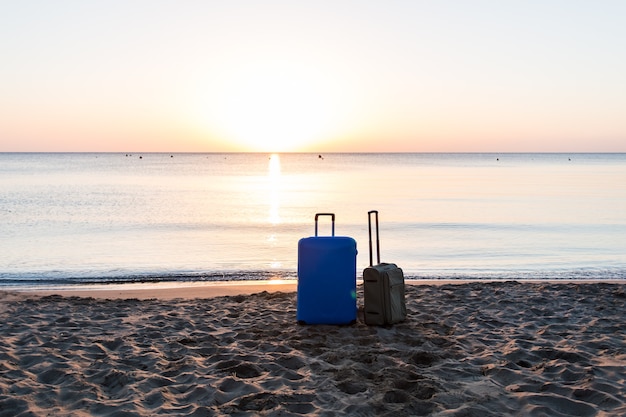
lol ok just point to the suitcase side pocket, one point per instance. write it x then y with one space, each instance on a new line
397 302
397 308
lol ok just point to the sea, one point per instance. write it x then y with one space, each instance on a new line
114 218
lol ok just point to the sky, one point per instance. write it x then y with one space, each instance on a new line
318 76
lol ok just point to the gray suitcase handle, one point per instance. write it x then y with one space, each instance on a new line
332 215
369 223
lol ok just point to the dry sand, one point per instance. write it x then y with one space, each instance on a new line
476 349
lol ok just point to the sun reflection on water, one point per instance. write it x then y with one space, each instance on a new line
274 181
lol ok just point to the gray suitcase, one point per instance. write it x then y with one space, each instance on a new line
383 287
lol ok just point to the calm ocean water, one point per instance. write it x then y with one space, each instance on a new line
92 218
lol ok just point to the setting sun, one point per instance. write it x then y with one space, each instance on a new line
275 107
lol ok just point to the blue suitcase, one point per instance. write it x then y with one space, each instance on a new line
326 278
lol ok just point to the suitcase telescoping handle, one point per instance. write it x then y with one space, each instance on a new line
332 215
369 223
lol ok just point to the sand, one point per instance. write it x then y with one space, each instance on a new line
475 349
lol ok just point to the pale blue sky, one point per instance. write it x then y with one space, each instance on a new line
320 75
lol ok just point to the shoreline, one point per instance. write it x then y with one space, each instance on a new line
203 289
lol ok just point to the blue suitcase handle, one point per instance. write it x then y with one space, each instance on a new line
332 215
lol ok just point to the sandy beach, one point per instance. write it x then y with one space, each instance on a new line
472 349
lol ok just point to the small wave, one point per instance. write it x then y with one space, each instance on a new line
592 274
54 279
